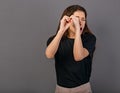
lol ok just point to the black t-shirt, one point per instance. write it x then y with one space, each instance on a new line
70 73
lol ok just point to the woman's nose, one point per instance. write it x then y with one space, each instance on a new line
80 24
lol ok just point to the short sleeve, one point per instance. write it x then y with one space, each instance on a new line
49 40
90 43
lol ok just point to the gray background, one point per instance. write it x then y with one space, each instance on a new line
25 26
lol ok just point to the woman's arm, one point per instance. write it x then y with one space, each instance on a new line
79 51
53 46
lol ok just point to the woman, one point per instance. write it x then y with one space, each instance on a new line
72 47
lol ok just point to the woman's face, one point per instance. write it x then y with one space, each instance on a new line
82 19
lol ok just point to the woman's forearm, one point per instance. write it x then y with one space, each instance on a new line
79 51
53 46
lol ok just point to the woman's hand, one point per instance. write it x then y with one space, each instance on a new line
65 23
76 24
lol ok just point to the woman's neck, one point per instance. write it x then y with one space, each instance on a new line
71 34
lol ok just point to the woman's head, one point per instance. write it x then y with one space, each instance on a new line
79 12
73 8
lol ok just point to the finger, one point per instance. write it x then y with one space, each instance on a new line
72 16
69 20
65 17
63 20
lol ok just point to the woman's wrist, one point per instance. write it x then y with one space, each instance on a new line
60 32
78 33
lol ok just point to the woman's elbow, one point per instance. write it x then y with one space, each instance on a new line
78 58
48 55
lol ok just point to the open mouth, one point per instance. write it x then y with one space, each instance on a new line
80 28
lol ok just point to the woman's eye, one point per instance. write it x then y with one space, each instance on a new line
77 16
83 19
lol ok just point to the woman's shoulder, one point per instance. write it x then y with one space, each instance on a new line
51 37
88 35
